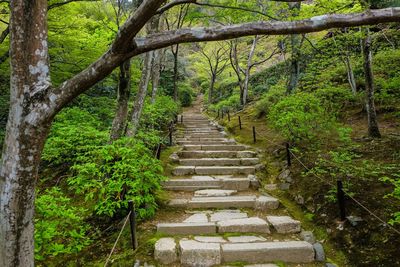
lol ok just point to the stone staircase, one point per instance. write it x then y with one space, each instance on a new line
228 221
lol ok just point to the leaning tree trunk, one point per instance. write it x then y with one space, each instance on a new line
141 95
248 69
350 74
27 127
124 88
373 128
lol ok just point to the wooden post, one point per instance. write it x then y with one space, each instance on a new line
181 119
254 135
229 116
132 222
341 201
288 158
240 123
218 114
222 114
158 154
170 137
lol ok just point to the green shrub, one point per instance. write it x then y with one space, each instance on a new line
118 172
59 227
263 106
300 117
159 115
395 181
232 103
74 133
335 99
185 95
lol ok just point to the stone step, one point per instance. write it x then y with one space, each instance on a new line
284 224
202 139
216 154
286 251
219 162
215 250
261 203
243 225
214 147
214 193
187 228
207 182
206 135
210 170
186 142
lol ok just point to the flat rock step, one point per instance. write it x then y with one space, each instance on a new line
188 142
216 154
214 147
207 182
219 162
214 250
201 139
261 202
209 170
214 193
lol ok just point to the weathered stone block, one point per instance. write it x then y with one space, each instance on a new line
266 202
284 224
165 251
194 253
245 225
223 216
186 228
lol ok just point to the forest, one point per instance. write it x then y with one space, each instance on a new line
92 94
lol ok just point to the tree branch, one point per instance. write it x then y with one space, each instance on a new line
54 5
315 24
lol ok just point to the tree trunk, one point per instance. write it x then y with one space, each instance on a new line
373 129
295 58
121 114
141 94
176 54
27 127
155 75
248 69
211 91
350 74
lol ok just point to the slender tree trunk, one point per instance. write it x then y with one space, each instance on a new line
176 54
373 128
141 95
248 69
233 56
295 58
350 74
121 114
27 128
211 91
155 74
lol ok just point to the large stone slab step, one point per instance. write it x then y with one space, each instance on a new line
219 162
243 225
201 139
207 182
187 228
216 154
249 201
286 251
213 170
214 147
187 142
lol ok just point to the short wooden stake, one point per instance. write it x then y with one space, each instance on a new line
229 116
341 201
222 114
158 154
254 135
132 222
218 114
170 137
240 123
288 157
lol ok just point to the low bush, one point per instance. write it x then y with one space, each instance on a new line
185 95
118 172
300 117
335 99
59 227
263 106
159 115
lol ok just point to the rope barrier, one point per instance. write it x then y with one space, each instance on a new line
326 182
116 241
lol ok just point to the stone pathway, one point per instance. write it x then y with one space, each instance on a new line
213 182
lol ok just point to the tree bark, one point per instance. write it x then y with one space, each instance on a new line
248 69
27 128
294 72
141 95
373 128
155 74
350 74
124 89
211 90
175 53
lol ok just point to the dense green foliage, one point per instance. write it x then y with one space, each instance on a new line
60 227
